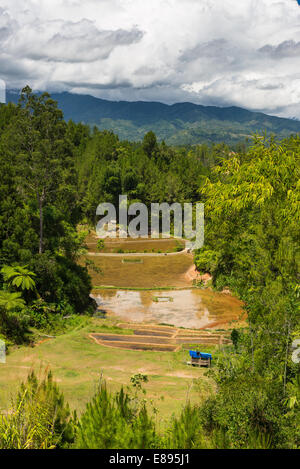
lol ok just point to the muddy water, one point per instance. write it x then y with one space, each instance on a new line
187 308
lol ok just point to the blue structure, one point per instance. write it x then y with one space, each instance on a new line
200 355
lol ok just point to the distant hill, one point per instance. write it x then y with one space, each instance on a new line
177 124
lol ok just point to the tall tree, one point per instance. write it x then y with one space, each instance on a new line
39 135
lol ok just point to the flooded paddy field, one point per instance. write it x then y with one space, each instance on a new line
190 308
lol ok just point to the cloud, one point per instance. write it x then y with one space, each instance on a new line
65 41
2 91
284 49
222 53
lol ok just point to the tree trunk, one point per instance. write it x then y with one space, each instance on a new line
40 202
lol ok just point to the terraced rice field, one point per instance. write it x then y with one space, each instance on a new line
158 338
152 272
132 292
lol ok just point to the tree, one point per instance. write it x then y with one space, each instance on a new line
39 418
39 135
252 245
150 146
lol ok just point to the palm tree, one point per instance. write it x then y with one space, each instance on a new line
11 301
19 277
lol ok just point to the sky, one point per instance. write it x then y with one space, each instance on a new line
214 52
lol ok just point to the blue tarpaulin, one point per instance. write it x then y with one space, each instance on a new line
204 356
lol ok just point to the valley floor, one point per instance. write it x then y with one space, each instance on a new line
78 362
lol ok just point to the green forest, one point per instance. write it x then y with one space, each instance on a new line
53 175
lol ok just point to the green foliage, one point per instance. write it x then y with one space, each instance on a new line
138 380
100 245
249 409
145 172
252 233
19 277
11 301
186 431
38 419
150 146
39 207
235 336
206 260
53 176
113 421
44 316
60 280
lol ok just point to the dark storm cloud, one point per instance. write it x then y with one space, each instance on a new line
284 49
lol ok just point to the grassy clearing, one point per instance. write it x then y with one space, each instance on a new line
78 362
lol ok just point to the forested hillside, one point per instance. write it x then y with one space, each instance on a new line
178 124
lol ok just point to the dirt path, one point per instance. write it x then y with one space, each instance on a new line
136 254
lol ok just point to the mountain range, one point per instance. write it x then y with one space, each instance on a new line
176 124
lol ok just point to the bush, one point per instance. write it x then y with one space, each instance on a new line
113 421
60 280
13 327
39 418
251 412
206 261
100 245
186 431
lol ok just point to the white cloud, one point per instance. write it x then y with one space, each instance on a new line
230 52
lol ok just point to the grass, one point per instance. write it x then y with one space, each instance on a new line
154 272
111 287
158 299
132 261
78 363
134 245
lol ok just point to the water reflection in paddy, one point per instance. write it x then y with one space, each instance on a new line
182 308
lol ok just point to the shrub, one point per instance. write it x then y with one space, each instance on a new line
186 431
60 280
38 419
114 421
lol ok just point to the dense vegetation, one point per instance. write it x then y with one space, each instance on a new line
252 246
53 176
39 211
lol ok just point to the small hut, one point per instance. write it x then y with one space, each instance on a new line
200 359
